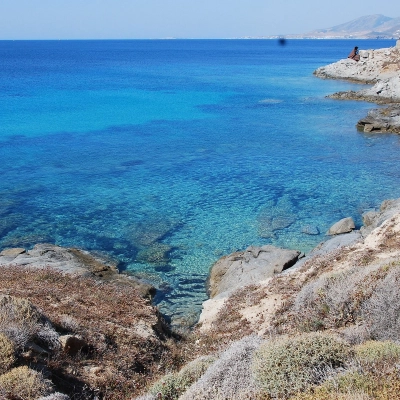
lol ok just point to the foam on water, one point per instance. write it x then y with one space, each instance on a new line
169 154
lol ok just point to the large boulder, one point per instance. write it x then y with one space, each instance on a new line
345 225
251 266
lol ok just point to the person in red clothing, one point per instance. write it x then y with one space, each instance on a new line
354 54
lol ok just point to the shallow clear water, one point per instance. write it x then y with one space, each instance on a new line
168 154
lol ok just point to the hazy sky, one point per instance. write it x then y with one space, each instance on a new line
130 19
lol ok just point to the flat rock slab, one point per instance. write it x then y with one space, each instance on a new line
12 253
248 267
71 261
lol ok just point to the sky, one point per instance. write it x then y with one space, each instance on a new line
150 19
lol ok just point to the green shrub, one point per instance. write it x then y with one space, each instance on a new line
171 386
25 383
375 352
288 365
7 353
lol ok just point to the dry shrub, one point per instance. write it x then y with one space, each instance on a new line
19 320
7 353
355 385
336 300
173 385
375 353
22 322
288 365
25 383
381 312
230 376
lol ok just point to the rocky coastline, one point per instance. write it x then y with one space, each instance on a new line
97 336
381 69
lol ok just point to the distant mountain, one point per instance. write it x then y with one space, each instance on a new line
367 27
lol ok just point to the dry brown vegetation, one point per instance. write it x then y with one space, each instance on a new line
126 343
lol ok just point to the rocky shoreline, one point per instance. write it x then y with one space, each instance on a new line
381 68
343 294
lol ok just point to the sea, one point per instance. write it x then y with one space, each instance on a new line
165 155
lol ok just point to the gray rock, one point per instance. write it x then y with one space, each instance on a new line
381 120
71 261
373 219
14 252
332 244
345 225
247 267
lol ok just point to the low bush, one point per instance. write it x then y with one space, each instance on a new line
381 312
7 353
288 365
229 377
19 319
173 385
24 383
374 353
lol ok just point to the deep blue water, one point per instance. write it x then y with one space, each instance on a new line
169 154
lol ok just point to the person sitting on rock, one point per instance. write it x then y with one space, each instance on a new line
354 54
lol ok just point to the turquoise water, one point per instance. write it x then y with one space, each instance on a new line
166 155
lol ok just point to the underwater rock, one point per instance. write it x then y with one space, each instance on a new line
310 230
275 217
157 253
152 230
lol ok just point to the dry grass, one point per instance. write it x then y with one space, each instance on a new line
127 344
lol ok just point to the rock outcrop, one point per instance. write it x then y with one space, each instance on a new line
71 261
374 66
382 69
381 120
253 265
241 269
376 244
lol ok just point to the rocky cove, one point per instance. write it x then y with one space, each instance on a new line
259 295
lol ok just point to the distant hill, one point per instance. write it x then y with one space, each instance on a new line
367 27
